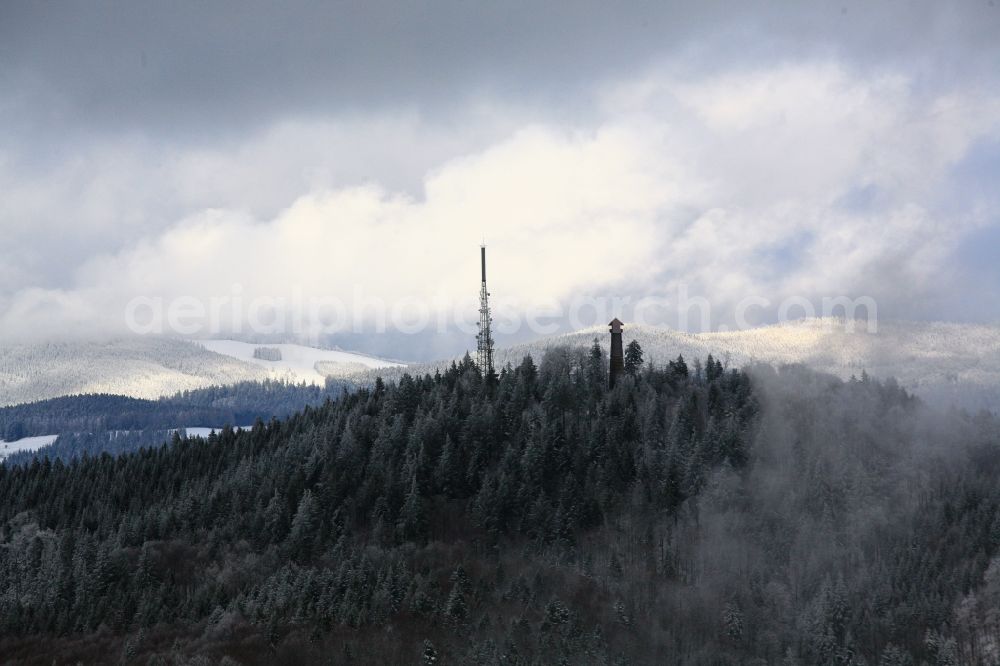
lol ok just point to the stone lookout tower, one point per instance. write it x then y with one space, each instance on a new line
617 355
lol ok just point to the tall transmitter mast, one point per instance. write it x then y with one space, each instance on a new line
484 351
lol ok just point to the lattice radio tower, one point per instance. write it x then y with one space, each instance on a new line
484 349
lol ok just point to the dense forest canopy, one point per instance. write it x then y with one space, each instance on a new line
692 515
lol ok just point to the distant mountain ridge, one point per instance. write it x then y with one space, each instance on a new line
142 367
152 367
943 362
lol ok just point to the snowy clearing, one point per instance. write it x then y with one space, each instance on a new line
199 431
25 444
299 363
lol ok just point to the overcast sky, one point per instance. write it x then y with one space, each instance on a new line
776 150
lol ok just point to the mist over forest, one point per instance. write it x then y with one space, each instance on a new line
692 515
264 402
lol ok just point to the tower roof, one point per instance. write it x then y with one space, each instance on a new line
615 324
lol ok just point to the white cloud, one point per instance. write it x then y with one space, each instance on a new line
732 185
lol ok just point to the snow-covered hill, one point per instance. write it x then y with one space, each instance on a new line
138 367
152 367
299 363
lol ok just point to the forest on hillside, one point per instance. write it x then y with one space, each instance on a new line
240 402
98 423
693 514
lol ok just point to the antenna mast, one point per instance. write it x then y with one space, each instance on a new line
484 349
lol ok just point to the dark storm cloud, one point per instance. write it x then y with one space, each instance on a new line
209 67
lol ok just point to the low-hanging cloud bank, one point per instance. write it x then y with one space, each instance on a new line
795 181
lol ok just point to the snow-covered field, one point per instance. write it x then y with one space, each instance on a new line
40 442
199 431
25 444
300 363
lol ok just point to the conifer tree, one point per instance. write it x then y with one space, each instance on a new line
304 529
633 357
412 523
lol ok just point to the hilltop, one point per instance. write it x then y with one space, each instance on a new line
941 362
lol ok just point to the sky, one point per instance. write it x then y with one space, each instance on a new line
355 155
